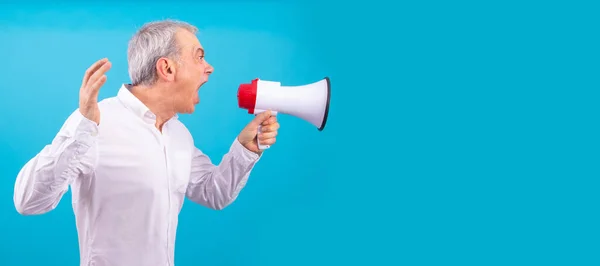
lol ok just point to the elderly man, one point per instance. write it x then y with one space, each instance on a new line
128 159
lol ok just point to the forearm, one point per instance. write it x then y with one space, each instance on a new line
218 186
45 178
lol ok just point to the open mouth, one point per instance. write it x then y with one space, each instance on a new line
201 83
196 94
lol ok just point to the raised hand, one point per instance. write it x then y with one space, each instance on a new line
94 78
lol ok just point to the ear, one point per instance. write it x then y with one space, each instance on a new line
165 68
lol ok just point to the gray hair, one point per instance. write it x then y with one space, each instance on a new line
151 42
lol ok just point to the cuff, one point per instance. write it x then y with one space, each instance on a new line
86 131
241 152
80 155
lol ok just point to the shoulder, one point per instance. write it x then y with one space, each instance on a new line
182 130
109 104
76 118
112 109
106 104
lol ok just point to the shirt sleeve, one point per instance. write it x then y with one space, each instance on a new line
45 178
215 186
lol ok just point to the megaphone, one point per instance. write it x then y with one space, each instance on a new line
308 102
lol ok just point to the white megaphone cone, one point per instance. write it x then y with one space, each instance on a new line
309 102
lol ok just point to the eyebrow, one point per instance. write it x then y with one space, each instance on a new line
199 50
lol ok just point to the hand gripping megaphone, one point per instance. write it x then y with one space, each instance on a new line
309 102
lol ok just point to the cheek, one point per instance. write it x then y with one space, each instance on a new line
203 69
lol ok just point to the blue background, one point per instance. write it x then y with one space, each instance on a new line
460 132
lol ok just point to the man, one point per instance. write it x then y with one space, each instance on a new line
130 162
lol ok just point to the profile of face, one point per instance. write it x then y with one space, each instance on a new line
186 76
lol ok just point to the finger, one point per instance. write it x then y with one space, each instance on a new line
261 117
271 127
270 141
95 88
99 73
92 69
270 120
267 135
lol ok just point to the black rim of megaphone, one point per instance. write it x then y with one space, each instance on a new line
327 106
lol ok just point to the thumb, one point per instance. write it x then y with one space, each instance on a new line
261 118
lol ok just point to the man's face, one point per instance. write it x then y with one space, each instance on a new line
192 73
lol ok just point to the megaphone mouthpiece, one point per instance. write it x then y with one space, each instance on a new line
247 96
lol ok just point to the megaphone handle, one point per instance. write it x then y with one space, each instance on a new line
263 146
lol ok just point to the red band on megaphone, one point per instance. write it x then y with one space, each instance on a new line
247 96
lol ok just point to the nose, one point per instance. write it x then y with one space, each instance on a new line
209 69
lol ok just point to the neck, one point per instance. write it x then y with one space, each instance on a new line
154 98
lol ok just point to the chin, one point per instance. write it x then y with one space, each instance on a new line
188 110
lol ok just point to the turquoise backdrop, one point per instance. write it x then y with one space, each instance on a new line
460 132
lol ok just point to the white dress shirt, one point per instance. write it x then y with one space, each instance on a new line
128 181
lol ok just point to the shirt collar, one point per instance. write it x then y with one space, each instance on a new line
135 105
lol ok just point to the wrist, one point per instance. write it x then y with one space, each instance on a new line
245 152
250 146
92 115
